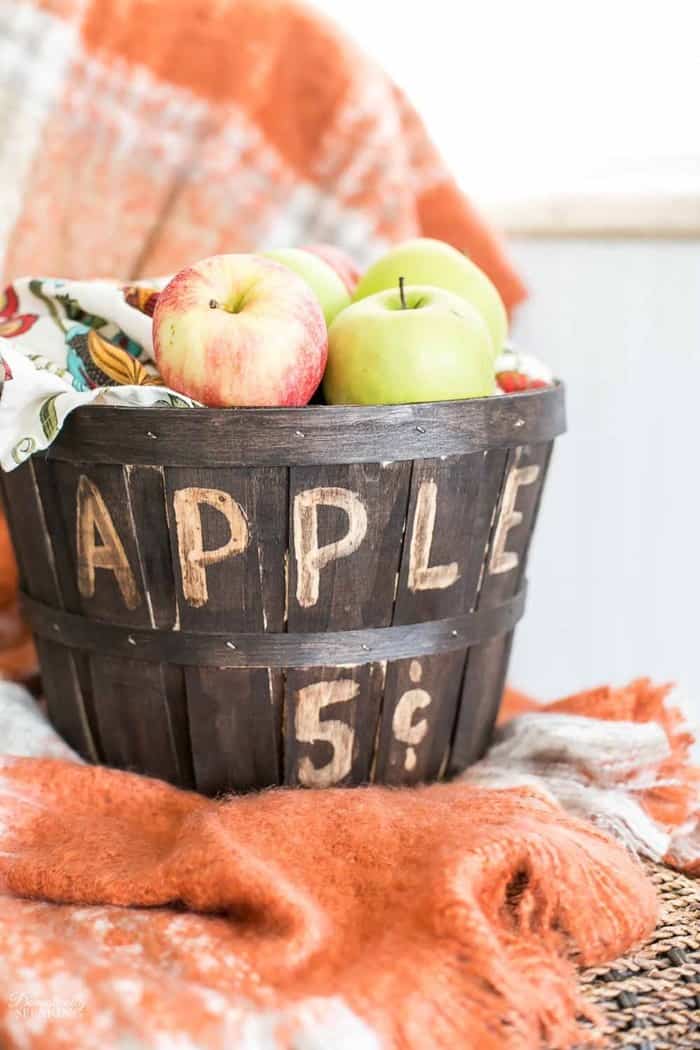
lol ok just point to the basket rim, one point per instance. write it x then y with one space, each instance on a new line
310 435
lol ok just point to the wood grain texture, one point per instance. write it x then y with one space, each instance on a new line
231 569
142 717
418 714
434 583
346 530
310 436
140 708
482 690
235 728
434 577
503 573
228 529
64 568
101 542
446 531
330 723
147 495
30 504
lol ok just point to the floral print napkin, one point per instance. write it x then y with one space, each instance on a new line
68 343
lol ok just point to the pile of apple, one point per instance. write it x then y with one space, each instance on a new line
422 324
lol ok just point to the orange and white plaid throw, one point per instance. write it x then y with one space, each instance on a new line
139 135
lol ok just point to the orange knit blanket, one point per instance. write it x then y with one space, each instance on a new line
441 917
132 913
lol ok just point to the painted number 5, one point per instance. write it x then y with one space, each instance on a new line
309 728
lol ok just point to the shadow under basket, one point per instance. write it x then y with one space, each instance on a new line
232 599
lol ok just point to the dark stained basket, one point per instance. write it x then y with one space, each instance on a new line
230 599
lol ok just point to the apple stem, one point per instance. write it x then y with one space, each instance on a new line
213 304
402 293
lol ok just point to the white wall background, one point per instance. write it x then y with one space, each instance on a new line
615 566
528 96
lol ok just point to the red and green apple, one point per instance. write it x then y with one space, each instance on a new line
240 330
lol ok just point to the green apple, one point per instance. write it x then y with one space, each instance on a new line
416 343
427 261
324 282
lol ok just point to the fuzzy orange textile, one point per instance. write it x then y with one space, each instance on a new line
444 916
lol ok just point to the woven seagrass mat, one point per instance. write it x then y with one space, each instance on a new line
650 998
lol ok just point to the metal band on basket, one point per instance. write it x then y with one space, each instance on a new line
275 650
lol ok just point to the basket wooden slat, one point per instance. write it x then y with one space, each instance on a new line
354 591
522 474
412 747
65 671
235 715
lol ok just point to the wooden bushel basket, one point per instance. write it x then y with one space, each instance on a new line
230 599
